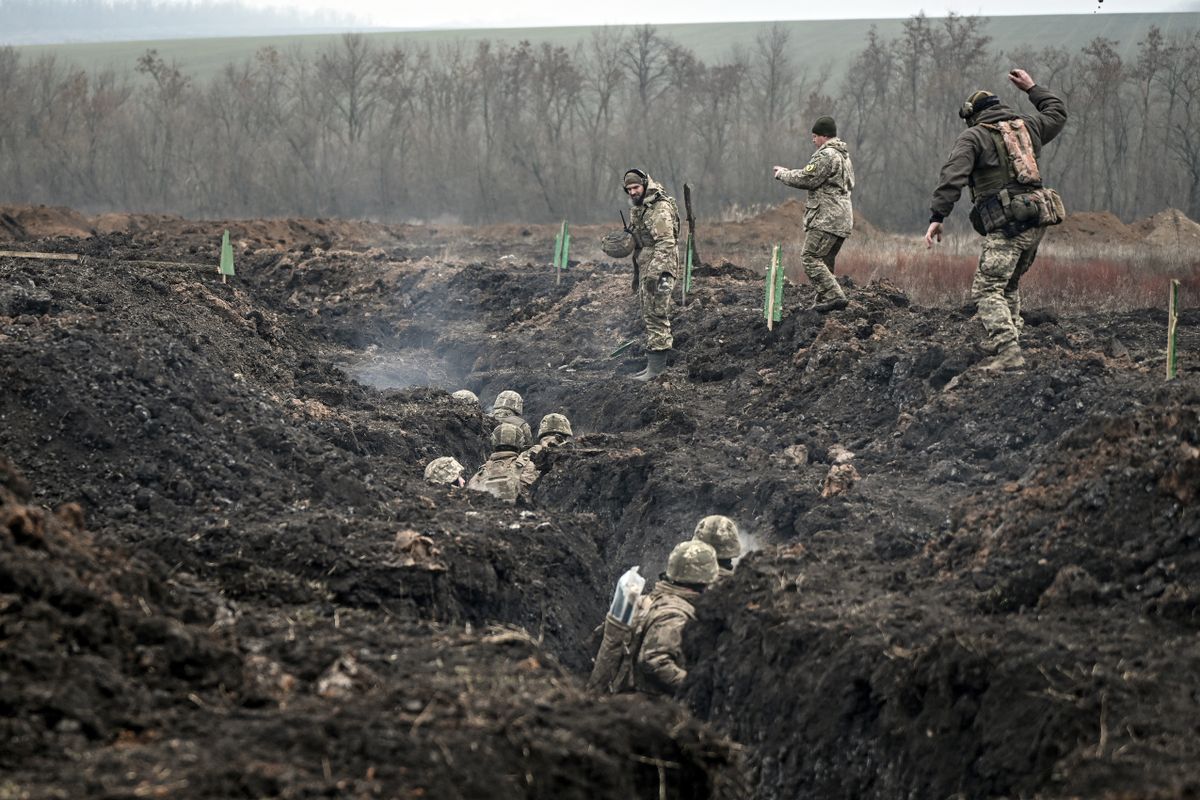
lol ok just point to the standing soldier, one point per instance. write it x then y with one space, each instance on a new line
654 223
828 214
997 157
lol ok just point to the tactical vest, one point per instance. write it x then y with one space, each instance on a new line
1018 169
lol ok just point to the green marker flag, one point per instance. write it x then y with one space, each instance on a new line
1172 322
687 275
562 246
773 289
778 283
226 267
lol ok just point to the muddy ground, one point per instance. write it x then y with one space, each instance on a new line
223 576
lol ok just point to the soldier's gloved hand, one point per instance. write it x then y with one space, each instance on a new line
665 282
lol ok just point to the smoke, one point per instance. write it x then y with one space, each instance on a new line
749 541
393 370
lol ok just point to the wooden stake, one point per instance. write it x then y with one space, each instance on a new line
1172 323
42 256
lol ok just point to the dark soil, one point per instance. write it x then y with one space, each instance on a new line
999 601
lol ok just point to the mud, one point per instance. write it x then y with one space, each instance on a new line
998 599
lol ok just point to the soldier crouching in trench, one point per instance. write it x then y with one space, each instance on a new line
996 156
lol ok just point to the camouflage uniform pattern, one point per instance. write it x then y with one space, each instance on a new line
660 668
655 228
828 214
995 288
507 415
500 476
1004 260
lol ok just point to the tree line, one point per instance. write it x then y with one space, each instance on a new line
482 132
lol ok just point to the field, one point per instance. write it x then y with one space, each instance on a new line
814 43
222 575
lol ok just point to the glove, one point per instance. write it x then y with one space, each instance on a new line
665 282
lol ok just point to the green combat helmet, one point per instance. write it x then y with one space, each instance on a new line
507 436
692 562
443 470
554 423
617 244
466 395
721 533
509 400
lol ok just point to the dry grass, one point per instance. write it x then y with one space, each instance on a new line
1064 279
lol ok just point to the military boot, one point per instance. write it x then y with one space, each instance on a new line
656 364
836 304
1008 358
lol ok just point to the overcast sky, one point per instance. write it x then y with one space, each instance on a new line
524 13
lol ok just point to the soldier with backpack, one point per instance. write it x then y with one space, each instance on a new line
646 655
997 157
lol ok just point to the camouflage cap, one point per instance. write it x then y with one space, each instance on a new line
721 533
635 177
507 436
443 470
554 423
692 562
467 395
510 400
617 244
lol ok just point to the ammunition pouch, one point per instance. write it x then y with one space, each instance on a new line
1010 214
1051 210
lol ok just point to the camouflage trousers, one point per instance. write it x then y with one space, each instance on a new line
820 252
656 312
995 288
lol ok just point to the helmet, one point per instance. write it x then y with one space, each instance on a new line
443 470
555 423
466 395
977 102
617 244
510 400
721 533
507 436
692 562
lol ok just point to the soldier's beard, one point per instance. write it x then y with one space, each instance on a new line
636 201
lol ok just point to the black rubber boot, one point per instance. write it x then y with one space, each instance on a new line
656 364
836 304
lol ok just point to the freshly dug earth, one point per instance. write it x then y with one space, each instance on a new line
967 585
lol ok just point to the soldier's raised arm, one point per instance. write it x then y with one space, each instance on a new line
1051 115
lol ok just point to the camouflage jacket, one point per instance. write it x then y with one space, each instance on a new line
659 668
655 227
829 178
501 476
974 151
507 415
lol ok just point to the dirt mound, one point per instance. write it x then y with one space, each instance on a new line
784 222
1170 228
19 223
1092 227
217 430
123 671
95 642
